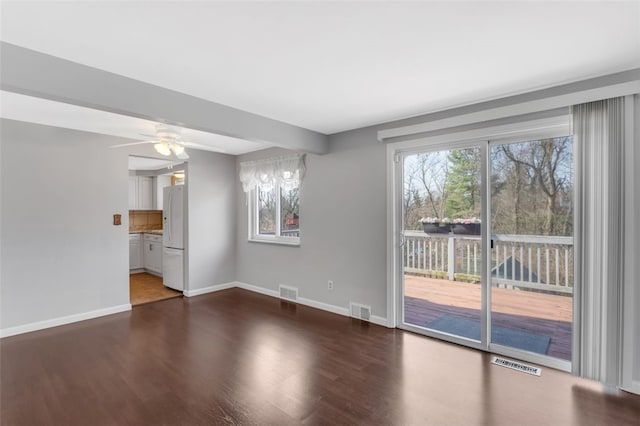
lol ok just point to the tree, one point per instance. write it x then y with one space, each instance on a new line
433 174
463 184
549 164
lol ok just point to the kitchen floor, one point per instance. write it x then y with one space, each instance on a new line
147 288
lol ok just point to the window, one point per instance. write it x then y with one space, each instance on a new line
273 188
276 216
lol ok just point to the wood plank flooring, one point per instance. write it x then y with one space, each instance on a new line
240 358
147 288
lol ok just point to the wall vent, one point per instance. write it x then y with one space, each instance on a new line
515 365
288 293
360 311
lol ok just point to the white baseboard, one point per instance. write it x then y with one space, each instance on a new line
380 321
312 303
635 387
324 306
211 289
256 289
40 325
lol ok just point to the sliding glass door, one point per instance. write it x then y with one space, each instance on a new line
442 249
486 245
531 269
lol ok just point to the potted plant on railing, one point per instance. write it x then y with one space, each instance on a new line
433 225
467 226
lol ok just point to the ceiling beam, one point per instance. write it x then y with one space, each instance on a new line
36 74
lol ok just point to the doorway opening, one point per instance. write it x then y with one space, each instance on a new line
157 229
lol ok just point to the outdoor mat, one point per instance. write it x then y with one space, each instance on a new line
504 336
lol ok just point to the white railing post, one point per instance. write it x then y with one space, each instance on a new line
451 265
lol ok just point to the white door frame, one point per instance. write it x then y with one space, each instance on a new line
530 130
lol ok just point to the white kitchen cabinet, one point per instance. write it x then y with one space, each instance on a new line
152 252
135 252
140 193
145 193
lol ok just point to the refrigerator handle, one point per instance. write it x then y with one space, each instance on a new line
168 218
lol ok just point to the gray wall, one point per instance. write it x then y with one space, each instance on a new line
60 253
212 218
343 228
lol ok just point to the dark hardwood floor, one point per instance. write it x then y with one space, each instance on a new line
235 357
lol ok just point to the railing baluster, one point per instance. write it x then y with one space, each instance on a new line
546 255
430 252
521 263
451 258
566 267
504 256
406 254
513 262
529 265
475 259
468 259
557 266
497 253
538 263
436 256
413 253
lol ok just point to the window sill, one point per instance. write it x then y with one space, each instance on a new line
275 241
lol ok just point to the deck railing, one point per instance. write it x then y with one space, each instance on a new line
517 261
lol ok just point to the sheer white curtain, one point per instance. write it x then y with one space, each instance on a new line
599 131
286 171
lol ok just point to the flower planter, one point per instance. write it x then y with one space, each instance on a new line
466 228
435 228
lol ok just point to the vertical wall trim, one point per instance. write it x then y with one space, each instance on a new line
392 273
628 315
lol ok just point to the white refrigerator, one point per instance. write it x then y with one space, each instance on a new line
173 237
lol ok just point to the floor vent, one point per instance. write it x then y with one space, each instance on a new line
288 293
515 365
360 311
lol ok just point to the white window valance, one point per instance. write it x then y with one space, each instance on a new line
286 171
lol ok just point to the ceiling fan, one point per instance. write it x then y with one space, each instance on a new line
167 141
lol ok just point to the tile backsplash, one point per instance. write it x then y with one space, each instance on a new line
145 220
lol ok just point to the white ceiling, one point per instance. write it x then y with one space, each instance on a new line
332 66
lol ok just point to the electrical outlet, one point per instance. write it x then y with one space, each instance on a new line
330 285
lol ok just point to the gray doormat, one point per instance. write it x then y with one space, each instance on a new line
504 336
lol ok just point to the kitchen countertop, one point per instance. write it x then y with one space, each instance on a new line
155 232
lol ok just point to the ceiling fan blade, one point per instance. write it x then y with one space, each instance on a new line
183 156
131 144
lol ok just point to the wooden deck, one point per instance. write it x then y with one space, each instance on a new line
428 298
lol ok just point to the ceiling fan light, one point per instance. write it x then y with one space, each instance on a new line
177 149
162 148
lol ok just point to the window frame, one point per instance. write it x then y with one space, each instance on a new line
254 221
